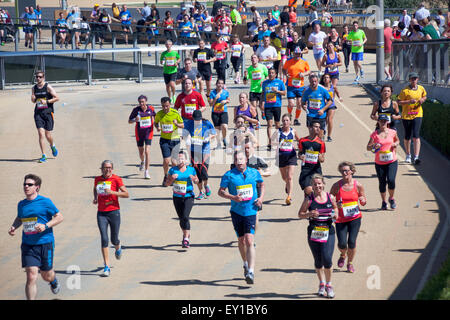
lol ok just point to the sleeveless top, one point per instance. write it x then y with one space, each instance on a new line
245 113
389 111
286 143
42 96
350 209
335 70
325 211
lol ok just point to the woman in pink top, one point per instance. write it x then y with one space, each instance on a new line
348 192
383 142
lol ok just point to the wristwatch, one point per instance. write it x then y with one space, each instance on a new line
46 226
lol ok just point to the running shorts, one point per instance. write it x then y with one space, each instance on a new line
40 255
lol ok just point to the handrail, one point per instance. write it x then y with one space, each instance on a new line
429 42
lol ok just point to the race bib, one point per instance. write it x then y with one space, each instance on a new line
180 187
311 156
318 46
197 140
145 122
201 56
296 82
236 51
219 107
350 209
256 75
283 51
189 108
320 234
333 70
219 55
386 156
105 19
315 104
170 61
286 145
29 225
41 103
124 17
271 97
245 192
102 186
167 128
356 43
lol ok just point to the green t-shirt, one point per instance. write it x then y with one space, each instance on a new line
235 16
169 59
169 130
357 39
429 29
257 76
276 14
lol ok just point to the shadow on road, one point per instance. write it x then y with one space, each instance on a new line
93 272
19 160
272 295
196 282
289 270
169 247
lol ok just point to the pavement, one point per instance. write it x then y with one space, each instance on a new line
395 249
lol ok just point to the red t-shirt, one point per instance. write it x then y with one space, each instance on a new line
350 209
189 103
387 39
108 203
219 49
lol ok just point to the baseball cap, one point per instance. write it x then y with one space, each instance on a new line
413 75
197 115
383 117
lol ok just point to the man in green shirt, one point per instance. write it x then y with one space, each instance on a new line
170 60
276 13
257 73
358 38
428 30
235 16
167 121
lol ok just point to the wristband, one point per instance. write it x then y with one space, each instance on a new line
46 226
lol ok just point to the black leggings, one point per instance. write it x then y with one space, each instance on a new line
183 206
350 228
111 218
386 175
221 74
347 50
322 251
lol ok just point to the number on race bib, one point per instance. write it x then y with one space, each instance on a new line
320 234
29 225
386 156
311 156
102 186
245 192
180 187
350 209
167 128
315 104
145 122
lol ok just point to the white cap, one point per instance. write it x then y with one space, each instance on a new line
395 24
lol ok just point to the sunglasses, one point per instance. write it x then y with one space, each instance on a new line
107 168
28 184
39 77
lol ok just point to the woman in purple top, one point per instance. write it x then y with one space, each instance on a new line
247 111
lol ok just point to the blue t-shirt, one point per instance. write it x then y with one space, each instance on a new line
186 28
262 34
38 15
198 135
40 210
246 184
198 19
272 99
124 16
316 100
182 186
272 22
62 23
223 96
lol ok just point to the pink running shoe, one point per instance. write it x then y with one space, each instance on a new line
350 267
341 261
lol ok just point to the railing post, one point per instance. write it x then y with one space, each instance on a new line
437 56
113 40
3 74
446 67
42 63
135 40
53 39
16 38
89 68
429 64
140 67
34 38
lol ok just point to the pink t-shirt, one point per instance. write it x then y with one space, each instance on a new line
385 155
387 39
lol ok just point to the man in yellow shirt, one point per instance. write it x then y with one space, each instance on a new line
411 99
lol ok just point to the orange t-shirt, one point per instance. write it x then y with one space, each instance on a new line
293 68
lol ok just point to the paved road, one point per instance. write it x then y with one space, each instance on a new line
91 125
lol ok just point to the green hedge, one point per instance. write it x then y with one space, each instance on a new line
436 125
438 287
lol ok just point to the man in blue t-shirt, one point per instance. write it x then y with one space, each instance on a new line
246 192
273 90
125 20
200 131
38 215
318 100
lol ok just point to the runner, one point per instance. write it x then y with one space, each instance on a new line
169 142
266 53
325 81
170 59
316 39
108 188
247 111
240 135
200 131
220 49
320 208
188 72
258 73
296 42
358 39
311 150
243 183
287 157
346 46
237 57
296 69
44 96
411 99
125 20
203 57
273 90
332 61
218 100
144 117
348 192
386 106
189 100
62 31
384 142
183 177
38 215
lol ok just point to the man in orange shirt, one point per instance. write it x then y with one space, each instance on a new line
296 69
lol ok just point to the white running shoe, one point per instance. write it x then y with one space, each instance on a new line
141 167
147 175
408 158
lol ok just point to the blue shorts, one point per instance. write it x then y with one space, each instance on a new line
319 55
40 255
28 29
293 92
357 56
243 224
169 148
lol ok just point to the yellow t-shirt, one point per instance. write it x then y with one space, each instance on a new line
412 111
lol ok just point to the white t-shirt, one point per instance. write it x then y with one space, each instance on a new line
317 40
264 53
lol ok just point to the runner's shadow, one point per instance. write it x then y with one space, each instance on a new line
150 199
273 295
143 186
212 204
370 210
19 160
278 220
289 270
93 272
227 218
161 248
364 163
196 282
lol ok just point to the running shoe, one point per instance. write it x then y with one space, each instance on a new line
346 70
141 167
408 158
207 190
26 44
164 181
200 196
2 43
269 147
149 54
288 201
329 139
106 271
321 291
296 123
384 205
225 145
55 286
43 159
245 270
54 151
118 253
356 81
263 116
362 73
417 161
185 243
392 203
250 278
341 261
350 267
173 99
330 291
146 175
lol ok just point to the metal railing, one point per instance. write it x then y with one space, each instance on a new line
430 59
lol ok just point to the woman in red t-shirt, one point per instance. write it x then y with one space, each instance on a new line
348 192
108 188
